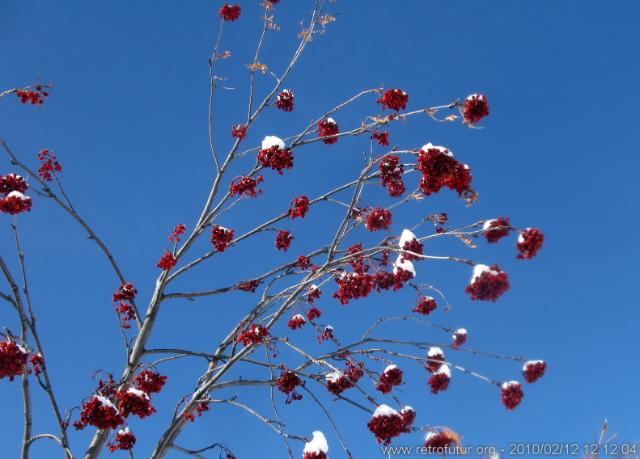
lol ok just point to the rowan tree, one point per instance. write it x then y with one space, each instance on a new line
284 330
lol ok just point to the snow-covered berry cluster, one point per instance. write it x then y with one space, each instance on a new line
410 243
328 130
529 243
425 305
496 229
99 412
275 155
511 393
134 401
13 199
297 321
533 370
440 379
386 423
458 338
441 442
390 377
487 283
339 381
284 100
317 448
13 359
440 170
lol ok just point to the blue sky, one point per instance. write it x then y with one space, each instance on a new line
127 118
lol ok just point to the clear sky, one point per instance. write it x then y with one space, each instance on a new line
127 119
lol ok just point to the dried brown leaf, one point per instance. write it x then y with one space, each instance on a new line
467 241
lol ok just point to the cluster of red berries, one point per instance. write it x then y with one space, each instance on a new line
221 237
488 283
99 412
386 423
303 262
352 286
200 408
255 334
458 338
177 232
382 137
297 321
338 381
529 243
35 96
390 377
439 170
229 12
511 394
313 313
134 401
123 299
287 383
394 99
13 200
239 131
475 108
37 362
328 130
378 219
149 381
415 247
283 240
13 359
167 261
441 373
391 175
49 165
496 229
126 314
441 442
425 305
299 207
248 286
126 292
245 186
313 294
533 370
440 379
276 158
284 101
125 440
